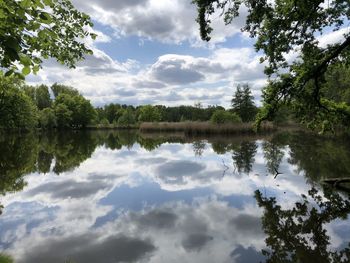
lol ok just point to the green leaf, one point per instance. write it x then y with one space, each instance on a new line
45 17
2 14
93 36
36 68
19 75
26 71
48 2
9 73
26 3
12 54
42 34
25 60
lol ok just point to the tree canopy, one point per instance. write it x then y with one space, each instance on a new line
292 27
17 109
243 103
31 30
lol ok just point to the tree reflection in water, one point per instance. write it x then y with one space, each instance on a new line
298 234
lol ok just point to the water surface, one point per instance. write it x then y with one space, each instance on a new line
123 197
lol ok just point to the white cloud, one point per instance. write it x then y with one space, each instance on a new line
170 21
171 80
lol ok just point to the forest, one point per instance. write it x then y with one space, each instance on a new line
28 107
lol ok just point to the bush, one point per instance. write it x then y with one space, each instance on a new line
47 119
17 110
127 119
104 122
149 113
222 116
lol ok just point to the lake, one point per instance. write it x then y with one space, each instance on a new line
108 196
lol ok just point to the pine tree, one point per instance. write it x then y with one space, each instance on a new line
243 103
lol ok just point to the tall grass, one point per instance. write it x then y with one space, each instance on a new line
198 128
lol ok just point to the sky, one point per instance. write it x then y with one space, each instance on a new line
165 205
150 52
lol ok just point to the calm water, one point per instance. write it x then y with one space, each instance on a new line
122 197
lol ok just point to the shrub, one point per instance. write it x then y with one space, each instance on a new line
127 119
222 116
47 119
104 122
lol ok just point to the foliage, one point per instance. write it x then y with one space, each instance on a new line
6 258
127 118
47 118
112 112
222 116
40 95
243 156
16 108
73 111
104 122
243 103
273 155
299 234
34 29
148 113
59 89
292 27
283 115
63 115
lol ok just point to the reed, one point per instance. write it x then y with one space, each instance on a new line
200 128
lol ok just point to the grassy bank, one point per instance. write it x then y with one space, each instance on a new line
193 128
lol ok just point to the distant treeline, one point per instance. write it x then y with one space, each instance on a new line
59 106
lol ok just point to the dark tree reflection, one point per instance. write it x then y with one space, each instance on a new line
273 156
17 158
198 147
319 157
298 234
243 156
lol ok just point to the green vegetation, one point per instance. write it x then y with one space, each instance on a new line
315 84
62 107
148 113
5 258
243 103
32 30
222 116
60 152
18 111
27 107
196 128
299 234
127 119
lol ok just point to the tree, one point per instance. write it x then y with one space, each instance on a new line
42 97
63 115
243 103
243 156
299 234
17 109
148 113
47 118
34 29
127 119
58 89
113 112
79 109
292 27
222 116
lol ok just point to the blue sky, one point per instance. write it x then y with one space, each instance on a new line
150 52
